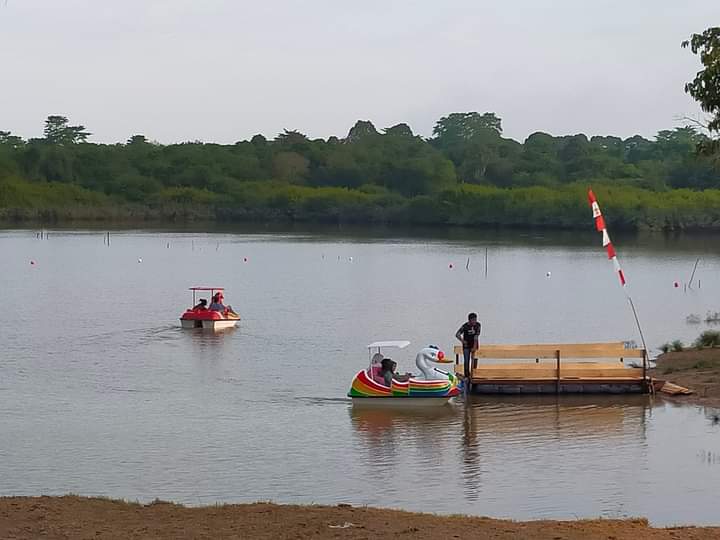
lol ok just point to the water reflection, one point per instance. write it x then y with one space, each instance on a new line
207 341
489 434
388 434
521 426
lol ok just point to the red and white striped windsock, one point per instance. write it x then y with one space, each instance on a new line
607 244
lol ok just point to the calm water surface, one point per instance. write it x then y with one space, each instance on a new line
101 393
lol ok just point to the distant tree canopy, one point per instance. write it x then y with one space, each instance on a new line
371 174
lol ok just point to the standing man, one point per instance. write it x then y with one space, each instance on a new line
469 336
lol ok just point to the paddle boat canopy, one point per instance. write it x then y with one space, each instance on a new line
432 386
202 316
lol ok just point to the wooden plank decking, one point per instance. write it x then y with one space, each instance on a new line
549 367
549 350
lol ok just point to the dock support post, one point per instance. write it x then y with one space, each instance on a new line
557 365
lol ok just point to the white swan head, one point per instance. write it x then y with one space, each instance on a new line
434 354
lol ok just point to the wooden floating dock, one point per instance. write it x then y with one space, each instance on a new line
554 368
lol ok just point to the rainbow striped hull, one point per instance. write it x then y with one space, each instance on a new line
366 391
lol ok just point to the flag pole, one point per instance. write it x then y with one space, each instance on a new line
637 322
608 245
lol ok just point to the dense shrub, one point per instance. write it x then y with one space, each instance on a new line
709 338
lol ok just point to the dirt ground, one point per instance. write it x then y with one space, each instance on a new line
84 518
698 370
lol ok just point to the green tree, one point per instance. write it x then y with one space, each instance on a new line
362 129
457 127
399 130
8 139
58 131
259 140
291 137
705 87
471 140
137 139
290 167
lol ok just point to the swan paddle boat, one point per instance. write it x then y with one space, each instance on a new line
208 317
432 386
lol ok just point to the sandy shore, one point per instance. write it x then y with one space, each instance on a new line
80 517
698 370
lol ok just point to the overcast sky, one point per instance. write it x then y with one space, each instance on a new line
223 70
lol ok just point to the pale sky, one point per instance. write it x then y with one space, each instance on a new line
223 70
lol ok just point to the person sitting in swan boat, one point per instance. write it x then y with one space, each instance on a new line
388 373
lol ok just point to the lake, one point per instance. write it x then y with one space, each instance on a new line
102 393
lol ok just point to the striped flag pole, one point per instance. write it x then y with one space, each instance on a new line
612 255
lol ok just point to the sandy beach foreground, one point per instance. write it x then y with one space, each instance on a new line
79 517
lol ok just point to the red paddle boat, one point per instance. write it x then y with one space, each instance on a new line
215 316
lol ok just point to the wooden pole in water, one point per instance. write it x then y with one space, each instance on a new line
486 262
557 365
693 273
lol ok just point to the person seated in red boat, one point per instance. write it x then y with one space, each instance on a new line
217 304
387 370
201 306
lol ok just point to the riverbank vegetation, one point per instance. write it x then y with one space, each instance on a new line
707 339
467 173
695 368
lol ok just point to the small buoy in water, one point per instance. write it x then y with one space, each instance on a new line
676 284
32 263
244 259
450 265
350 259
548 274
139 259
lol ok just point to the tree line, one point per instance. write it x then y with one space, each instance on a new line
466 173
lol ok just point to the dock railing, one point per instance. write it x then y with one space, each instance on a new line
559 352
